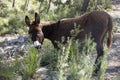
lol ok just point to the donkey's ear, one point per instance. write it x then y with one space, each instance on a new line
27 20
37 18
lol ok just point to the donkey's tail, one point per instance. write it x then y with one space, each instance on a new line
110 27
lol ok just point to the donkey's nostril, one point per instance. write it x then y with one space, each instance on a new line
37 44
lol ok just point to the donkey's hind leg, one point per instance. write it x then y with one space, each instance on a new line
98 61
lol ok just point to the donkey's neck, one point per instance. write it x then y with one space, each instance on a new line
49 29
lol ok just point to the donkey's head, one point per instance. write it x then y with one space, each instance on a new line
35 30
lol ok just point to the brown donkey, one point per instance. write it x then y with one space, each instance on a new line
98 23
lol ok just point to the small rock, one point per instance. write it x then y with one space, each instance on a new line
21 39
42 71
1 50
19 78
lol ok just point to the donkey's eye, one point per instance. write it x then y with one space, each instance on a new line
29 32
38 34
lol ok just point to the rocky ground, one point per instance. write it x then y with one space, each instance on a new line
113 69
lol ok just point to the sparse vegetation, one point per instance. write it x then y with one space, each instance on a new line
70 62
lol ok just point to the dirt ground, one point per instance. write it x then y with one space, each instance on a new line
113 69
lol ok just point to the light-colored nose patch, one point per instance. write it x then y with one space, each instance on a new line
36 43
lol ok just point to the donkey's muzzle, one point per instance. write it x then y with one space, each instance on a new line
37 44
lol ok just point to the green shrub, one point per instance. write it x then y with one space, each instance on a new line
49 59
16 23
103 66
99 5
29 64
75 61
78 64
7 69
3 25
